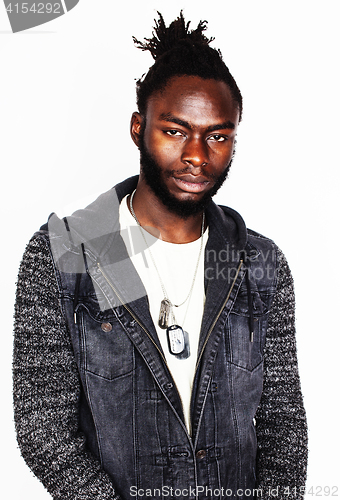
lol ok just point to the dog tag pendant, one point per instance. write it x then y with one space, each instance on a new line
164 314
178 342
175 339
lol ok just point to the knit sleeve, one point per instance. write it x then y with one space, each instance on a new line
280 419
47 387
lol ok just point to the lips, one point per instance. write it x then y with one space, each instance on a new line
191 184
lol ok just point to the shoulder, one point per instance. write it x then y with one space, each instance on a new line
261 240
270 253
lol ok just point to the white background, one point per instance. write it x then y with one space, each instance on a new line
66 96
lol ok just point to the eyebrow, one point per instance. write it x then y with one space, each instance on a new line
168 117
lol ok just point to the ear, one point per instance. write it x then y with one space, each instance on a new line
136 127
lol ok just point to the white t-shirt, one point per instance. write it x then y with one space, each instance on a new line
176 264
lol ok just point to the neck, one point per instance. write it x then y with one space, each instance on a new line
170 227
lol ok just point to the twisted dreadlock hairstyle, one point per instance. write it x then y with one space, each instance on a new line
177 52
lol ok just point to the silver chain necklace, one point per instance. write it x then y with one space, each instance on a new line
178 339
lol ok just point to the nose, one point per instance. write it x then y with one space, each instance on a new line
195 153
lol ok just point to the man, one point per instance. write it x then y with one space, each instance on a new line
155 345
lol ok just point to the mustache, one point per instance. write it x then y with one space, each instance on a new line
188 170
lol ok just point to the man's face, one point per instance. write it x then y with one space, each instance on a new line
187 142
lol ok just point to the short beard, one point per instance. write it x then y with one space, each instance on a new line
152 173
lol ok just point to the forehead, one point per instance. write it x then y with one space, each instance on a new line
199 101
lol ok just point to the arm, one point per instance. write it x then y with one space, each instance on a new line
47 387
280 420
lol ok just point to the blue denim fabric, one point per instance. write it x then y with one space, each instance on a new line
130 410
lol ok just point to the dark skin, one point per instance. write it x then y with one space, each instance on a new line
190 131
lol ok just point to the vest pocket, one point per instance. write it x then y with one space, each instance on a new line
106 349
243 349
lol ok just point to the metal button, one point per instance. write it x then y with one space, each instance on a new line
201 454
106 327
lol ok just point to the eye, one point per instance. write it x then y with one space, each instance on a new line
174 133
218 138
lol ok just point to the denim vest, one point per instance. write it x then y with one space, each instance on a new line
129 408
